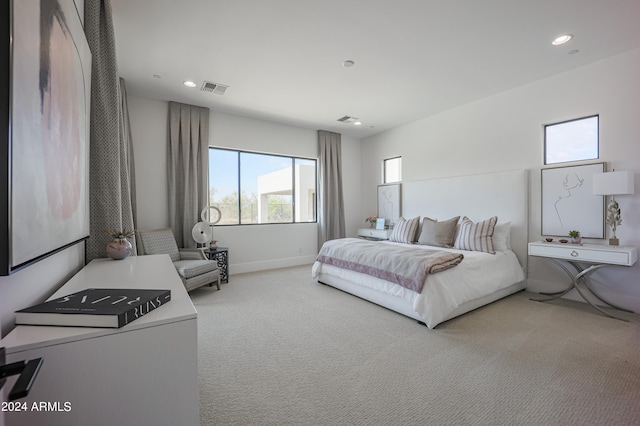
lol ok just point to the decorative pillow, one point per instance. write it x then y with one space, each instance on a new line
476 236
502 236
440 234
404 231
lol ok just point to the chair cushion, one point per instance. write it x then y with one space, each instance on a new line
192 268
200 280
160 241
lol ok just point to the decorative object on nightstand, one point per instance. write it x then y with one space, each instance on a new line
613 183
372 221
201 233
211 216
575 237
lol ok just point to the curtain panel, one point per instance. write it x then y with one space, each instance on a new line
331 223
111 152
188 168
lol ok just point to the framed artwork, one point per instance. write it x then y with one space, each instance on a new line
389 202
380 223
44 183
568 202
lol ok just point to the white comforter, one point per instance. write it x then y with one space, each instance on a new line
478 275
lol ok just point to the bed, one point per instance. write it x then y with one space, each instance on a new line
479 279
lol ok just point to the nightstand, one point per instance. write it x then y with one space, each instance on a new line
220 255
578 261
374 234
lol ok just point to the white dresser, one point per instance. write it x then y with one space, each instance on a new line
374 234
145 373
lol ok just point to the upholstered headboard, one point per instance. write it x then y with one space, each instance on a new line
503 194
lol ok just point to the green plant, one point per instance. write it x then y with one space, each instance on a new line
120 235
574 234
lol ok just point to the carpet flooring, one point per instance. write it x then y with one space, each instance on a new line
277 348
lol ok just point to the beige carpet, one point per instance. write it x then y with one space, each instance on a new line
277 348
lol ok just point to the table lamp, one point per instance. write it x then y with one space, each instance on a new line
613 183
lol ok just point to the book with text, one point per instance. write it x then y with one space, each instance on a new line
95 307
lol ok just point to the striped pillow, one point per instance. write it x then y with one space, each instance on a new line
476 236
405 230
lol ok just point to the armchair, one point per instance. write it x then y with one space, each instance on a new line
192 265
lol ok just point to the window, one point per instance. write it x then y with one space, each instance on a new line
572 140
392 170
254 188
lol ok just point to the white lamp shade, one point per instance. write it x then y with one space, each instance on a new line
613 183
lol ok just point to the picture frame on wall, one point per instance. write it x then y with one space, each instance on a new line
44 184
389 202
568 202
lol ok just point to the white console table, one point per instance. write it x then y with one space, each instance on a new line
578 261
145 373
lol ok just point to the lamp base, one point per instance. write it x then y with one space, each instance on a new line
614 241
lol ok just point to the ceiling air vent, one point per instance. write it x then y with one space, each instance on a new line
348 119
215 88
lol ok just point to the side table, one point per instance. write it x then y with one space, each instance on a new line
374 234
578 261
220 255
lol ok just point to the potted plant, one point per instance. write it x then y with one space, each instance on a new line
575 237
372 221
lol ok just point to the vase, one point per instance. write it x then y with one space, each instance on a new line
119 248
576 240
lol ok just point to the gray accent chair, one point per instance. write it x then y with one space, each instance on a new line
192 265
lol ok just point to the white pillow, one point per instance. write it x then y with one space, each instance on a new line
502 236
404 231
476 236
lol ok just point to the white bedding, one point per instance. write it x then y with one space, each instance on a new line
478 275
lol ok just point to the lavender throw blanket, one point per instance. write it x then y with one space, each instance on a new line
406 266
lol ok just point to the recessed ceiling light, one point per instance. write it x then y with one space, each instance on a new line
189 83
562 39
357 123
348 63
574 51
158 76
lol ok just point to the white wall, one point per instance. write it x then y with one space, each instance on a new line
37 282
505 132
251 247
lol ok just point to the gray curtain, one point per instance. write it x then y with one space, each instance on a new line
111 155
330 198
127 141
188 163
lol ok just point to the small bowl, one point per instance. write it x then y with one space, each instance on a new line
548 239
564 241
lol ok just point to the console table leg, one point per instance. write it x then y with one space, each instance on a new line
575 280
